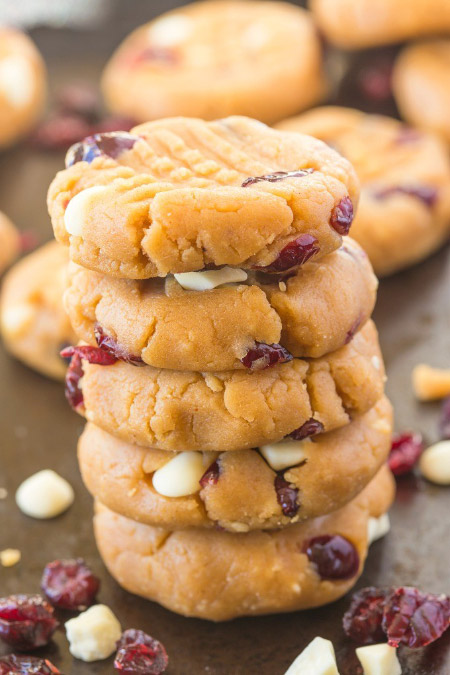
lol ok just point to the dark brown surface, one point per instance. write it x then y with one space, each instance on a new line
39 431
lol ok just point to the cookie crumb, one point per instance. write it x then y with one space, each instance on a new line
10 557
430 383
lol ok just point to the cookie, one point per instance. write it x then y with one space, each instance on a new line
9 242
218 58
221 575
232 410
355 24
33 322
421 83
242 490
179 195
404 210
22 85
310 314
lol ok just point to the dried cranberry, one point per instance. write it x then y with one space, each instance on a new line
263 356
413 618
111 144
164 55
296 253
28 241
70 584
139 653
352 330
408 135
211 475
362 621
26 621
375 80
75 370
111 346
287 496
309 428
60 131
276 176
342 216
90 354
26 665
405 451
426 194
334 556
444 420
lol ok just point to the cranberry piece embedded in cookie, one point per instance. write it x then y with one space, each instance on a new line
287 496
75 370
309 428
426 194
111 346
26 665
90 354
444 420
334 556
405 452
26 621
352 330
362 620
276 176
139 653
342 216
211 475
163 55
263 356
70 584
111 144
294 254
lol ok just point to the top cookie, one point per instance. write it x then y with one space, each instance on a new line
179 195
218 58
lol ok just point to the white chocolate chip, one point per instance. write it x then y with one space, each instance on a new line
376 362
171 30
10 557
434 463
378 528
79 207
16 320
93 634
282 286
180 476
16 80
379 660
205 281
317 658
284 454
44 495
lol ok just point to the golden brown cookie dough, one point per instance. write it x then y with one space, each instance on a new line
354 24
218 58
404 210
221 575
311 314
242 493
9 242
233 410
34 325
22 85
421 84
173 199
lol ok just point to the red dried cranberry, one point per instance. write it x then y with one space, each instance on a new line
413 618
296 253
60 131
111 144
90 354
26 621
75 370
26 665
263 356
276 176
164 55
70 584
334 556
426 194
286 496
362 621
375 80
405 451
352 330
139 653
309 428
111 346
342 216
444 420
211 475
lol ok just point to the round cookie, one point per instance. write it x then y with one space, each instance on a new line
9 242
404 210
355 24
310 314
232 410
218 58
421 85
33 323
22 85
240 490
221 575
181 195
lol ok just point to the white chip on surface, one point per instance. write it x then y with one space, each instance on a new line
317 658
78 209
93 634
379 660
44 495
10 557
285 453
16 80
434 463
180 476
205 281
170 30
378 528
16 320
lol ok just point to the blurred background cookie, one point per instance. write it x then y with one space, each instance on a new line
9 242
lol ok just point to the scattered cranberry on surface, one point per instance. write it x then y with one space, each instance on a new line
26 621
342 216
111 346
444 420
263 356
70 584
294 254
309 428
276 176
26 665
413 618
286 496
334 556
426 194
138 653
362 621
405 451
211 475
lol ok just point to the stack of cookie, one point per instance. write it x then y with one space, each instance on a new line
229 371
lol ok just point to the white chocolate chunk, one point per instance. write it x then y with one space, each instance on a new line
435 463
317 658
93 634
16 80
378 528
180 476
16 320
379 660
205 281
10 557
44 495
171 30
376 362
284 454
79 207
